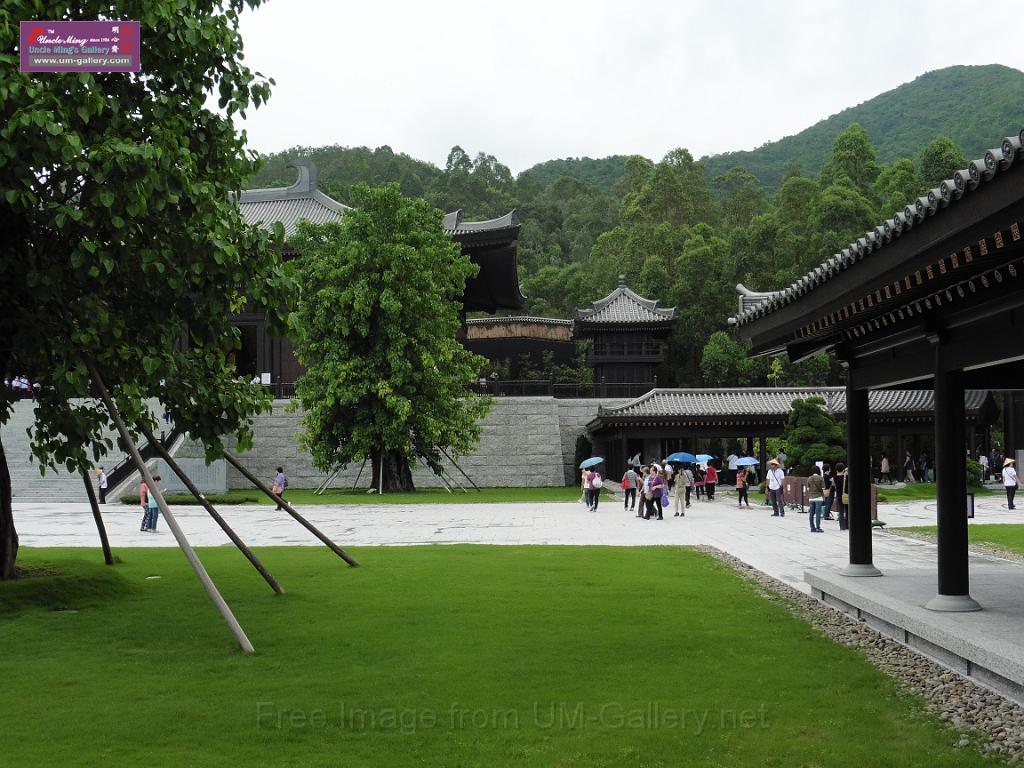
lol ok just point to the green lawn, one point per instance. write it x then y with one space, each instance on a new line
1009 536
438 656
921 492
305 496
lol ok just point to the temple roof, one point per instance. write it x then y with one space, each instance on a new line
949 193
304 200
624 307
288 205
454 224
491 244
705 403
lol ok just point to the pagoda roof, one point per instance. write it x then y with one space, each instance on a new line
624 307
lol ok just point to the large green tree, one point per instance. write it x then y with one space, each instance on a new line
120 243
940 160
375 326
813 434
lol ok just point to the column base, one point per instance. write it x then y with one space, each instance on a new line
860 569
953 603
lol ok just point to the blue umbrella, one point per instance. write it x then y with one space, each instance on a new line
593 461
704 457
682 457
746 461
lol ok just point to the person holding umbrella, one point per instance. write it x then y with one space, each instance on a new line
743 473
592 482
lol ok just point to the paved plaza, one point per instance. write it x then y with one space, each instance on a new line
781 547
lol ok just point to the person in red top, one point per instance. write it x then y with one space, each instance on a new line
710 481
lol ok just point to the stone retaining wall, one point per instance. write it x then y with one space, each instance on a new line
524 442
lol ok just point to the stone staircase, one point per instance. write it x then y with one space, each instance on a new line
56 485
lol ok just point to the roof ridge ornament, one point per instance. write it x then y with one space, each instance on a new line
306 184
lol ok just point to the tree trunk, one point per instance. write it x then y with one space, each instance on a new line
8 536
397 475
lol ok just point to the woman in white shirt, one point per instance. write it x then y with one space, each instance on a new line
1010 481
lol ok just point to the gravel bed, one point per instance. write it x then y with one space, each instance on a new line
984 719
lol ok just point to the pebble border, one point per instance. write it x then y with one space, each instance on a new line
985 720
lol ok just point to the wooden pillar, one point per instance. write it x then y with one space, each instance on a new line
858 483
951 491
763 457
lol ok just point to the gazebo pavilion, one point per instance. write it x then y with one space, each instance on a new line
932 296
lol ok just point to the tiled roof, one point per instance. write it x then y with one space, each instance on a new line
303 200
454 224
623 306
517 319
289 205
947 193
701 403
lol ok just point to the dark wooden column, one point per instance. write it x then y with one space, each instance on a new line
951 491
859 483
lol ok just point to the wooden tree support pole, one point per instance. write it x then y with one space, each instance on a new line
193 559
234 462
108 558
456 465
236 540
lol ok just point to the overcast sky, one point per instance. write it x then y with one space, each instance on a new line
530 81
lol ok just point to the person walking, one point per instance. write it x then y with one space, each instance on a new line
102 483
816 494
698 480
152 508
732 467
908 469
280 483
843 495
680 493
663 502
596 483
742 486
710 481
688 476
1010 481
883 470
144 503
829 478
630 481
645 487
652 497
773 486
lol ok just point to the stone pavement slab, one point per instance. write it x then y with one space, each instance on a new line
781 547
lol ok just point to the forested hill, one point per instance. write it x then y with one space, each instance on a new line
686 232
602 173
970 105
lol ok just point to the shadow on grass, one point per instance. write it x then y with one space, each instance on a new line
68 585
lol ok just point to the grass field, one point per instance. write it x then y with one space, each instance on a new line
922 492
1009 536
438 656
305 496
